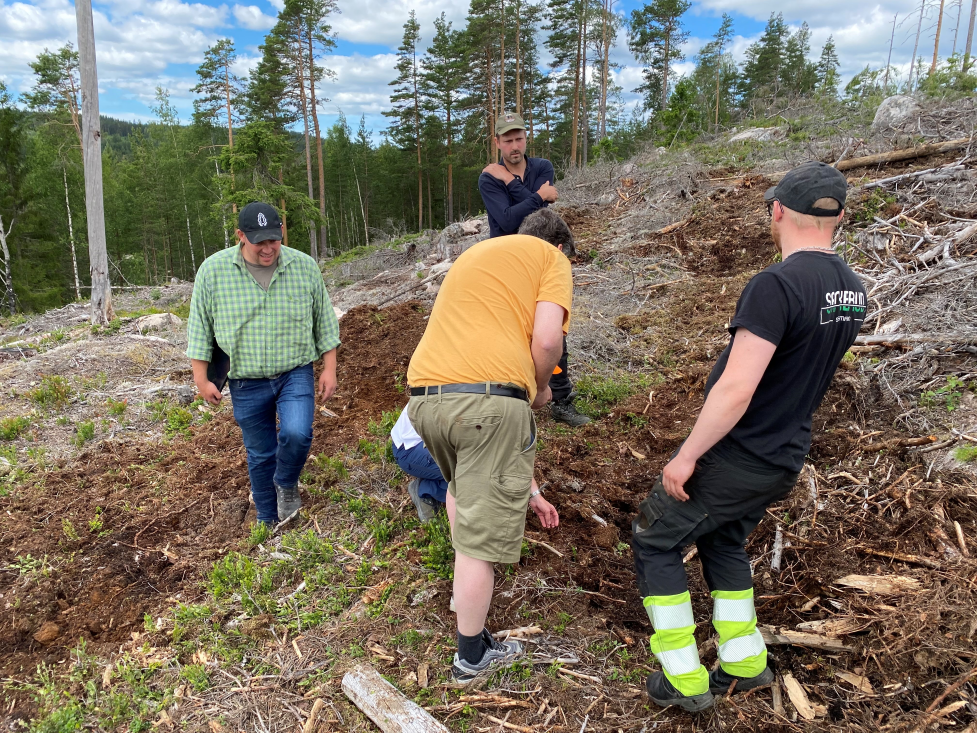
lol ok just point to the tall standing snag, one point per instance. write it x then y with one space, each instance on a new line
92 153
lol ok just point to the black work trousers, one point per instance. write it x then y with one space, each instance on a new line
728 494
560 384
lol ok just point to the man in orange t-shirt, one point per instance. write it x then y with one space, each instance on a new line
484 363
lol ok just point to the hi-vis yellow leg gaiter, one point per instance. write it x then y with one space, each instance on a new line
742 651
673 643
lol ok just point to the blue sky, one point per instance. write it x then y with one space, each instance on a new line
142 44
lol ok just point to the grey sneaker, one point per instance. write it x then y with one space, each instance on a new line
288 501
665 695
565 412
423 504
498 653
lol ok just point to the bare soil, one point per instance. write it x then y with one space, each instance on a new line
130 528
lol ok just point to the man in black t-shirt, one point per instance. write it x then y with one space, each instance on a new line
793 324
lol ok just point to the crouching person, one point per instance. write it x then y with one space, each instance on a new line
427 487
484 363
793 324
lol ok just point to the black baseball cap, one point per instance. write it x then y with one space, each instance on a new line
801 187
260 222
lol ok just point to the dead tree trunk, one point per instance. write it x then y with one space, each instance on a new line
971 36
71 236
319 144
937 37
7 298
102 311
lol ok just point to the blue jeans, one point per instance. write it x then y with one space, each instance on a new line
275 455
417 461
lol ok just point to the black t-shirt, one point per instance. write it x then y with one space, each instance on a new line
811 306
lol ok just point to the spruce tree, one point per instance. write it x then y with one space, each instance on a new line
442 80
828 69
655 37
405 128
763 66
800 75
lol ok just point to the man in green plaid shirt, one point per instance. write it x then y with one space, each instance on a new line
268 309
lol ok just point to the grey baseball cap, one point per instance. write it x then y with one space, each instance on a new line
260 222
801 187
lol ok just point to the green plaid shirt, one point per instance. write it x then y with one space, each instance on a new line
264 333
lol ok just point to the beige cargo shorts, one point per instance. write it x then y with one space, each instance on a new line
484 446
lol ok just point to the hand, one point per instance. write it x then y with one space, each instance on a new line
545 511
543 397
327 384
499 172
675 475
547 192
209 391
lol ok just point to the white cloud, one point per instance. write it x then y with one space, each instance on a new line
383 22
251 17
360 85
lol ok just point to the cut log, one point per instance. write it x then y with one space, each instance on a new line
798 638
917 338
905 154
883 585
382 703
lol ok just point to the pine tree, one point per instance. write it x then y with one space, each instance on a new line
220 88
442 80
828 69
405 129
57 88
655 37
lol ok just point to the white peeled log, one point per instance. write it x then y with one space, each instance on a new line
385 706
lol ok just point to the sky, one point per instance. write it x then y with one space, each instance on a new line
143 44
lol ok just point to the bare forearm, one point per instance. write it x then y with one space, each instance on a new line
722 410
329 361
545 358
200 370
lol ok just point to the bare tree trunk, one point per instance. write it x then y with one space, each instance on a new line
224 216
8 281
957 25
71 236
577 88
190 241
313 247
102 311
519 88
971 36
665 70
363 210
200 230
886 76
502 57
584 114
448 124
491 117
937 37
417 139
605 52
319 141
916 42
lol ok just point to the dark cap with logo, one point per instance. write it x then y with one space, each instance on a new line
801 187
260 222
509 121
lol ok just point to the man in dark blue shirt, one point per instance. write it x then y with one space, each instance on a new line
512 190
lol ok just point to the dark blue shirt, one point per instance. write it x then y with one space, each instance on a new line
508 205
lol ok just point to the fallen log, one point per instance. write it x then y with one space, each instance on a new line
904 154
799 638
382 703
928 174
916 338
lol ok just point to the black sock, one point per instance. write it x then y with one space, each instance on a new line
471 648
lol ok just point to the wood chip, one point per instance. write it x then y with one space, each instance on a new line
799 698
423 676
317 707
856 680
883 585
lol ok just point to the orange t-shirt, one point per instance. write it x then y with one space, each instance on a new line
482 322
